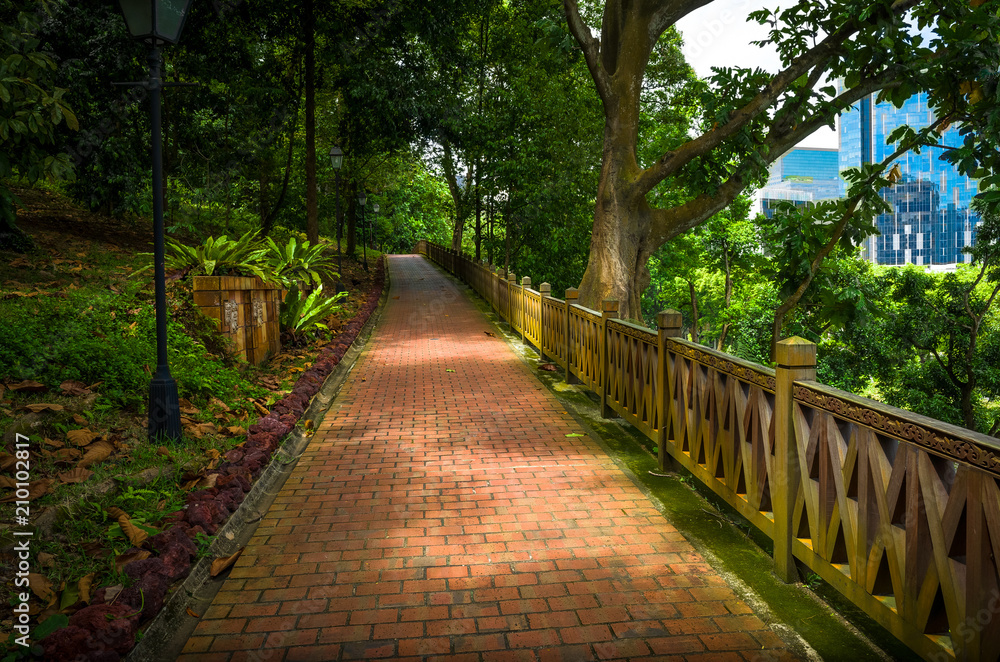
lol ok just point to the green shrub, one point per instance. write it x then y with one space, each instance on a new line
302 314
298 262
110 338
218 255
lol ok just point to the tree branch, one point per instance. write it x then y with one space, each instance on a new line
591 49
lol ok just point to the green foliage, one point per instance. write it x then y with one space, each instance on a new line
303 314
109 338
218 256
297 262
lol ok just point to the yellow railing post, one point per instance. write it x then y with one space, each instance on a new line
668 325
572 294
609 311
511 280
796 360
525 284
545 290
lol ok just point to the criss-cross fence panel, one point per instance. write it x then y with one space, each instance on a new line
902 514
532 316
720 426
585 337
554 329
899 512
632 373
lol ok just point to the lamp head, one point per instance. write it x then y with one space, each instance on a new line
336 157
362 198
375 207
155 21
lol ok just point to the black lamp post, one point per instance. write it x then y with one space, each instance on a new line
362 199
158 22
375 226
337 160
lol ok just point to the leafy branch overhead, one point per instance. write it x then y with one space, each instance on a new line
751 117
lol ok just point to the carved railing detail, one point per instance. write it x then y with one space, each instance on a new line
899 512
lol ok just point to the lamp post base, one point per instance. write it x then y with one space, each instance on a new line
164 409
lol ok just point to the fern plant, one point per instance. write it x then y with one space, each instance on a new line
301 314
218 255
297 262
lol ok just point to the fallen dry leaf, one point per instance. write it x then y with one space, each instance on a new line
123 560
115 512
187 407
35 490
74 388
76 475
213 453
42 588
262 410
6 461
134 534
43 406
234 430
163 450
192 613
549 367
81 437
220 404
46 560
79 420
53 443
96 452
65 455
84 587
112 592
222 563
28 385
6 482
208 481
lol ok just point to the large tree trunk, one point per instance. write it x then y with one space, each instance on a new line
312 211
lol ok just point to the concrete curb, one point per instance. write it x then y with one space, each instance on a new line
164 637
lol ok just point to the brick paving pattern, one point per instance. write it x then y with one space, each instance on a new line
441 513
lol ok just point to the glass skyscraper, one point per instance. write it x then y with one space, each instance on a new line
801 176
931 221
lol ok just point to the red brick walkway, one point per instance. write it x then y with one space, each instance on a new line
441 513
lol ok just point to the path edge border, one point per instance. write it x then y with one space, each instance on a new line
165 636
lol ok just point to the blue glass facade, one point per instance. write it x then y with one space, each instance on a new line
802 175
931 221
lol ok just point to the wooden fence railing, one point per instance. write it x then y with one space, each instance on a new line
899 512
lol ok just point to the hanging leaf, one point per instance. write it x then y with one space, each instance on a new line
221 564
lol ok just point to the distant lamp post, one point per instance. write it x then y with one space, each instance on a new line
337 160
158 22
374 226
362 199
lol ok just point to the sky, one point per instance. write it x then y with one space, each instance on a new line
719 35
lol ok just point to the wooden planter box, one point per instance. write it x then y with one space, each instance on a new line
246 310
